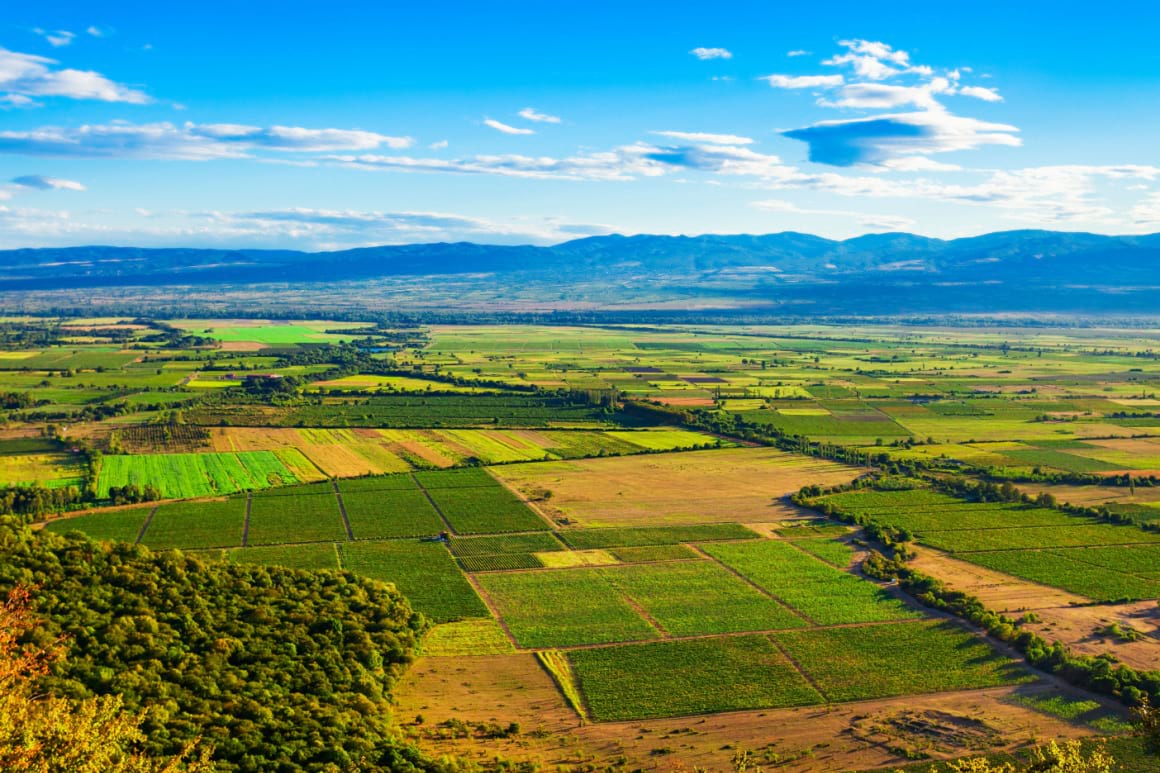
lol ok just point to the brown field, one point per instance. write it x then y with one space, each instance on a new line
1094 495
1064 616
513 688
717 486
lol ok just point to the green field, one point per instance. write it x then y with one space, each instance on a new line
582 539
823 594
562 608
183 476
391 513
214 524
700 597
315 556
122 525
304 517
424 572
669 679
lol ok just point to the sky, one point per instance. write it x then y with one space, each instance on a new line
326 126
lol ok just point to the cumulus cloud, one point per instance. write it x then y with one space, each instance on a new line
880 138
981 92
505 128
531 114
706 137
26 77
712 53
189 141
42 183
803 81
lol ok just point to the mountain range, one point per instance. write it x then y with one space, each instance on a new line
1010 270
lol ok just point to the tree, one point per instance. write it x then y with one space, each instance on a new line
45 734
1068 757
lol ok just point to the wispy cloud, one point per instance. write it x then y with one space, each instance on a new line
711 53
188 141
798 52
25 77
707 137
802 81
499 126
42 183
531 114
57 39
873 222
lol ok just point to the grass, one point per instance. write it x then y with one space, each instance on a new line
467 637
422 571
700 597
646 553
669 679
197 525
563 608
391 513
880 661
1058 569
484 509
831 551
571 558
824 594
646 536
557 665
305 517
114 525
508 543
1081 532
185 476
316 556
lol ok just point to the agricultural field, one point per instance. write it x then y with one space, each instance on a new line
1098 560
181 476
597 520
728 485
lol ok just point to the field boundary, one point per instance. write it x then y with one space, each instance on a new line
438 510
487 602
145 525
246 522
792 610
801 670
342 511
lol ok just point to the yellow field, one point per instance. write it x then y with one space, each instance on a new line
719 486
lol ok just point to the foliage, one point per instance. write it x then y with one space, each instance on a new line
49 734
277 669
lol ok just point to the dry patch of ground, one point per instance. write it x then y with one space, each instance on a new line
718 486
496 690
1062 616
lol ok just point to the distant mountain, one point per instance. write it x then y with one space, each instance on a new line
1023 269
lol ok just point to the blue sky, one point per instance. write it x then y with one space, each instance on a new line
290 124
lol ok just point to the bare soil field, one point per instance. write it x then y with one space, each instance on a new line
501 689
718 486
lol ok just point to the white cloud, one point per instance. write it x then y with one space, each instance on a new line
188 141
706 137
797 52
40 182
503 127
882 96
981 92
26 76
916 164
873 222
57 39
803 81
96 32
531 114
712 53
440 145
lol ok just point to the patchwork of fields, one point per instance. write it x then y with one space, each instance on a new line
1102 561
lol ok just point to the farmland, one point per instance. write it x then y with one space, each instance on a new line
602 522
